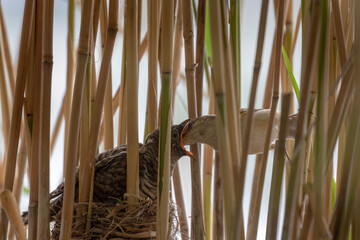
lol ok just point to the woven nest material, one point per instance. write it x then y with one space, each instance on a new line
122 220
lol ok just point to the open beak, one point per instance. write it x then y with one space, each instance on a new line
184 132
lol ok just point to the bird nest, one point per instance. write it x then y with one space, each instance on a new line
122 220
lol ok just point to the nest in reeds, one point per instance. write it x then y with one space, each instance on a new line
122 220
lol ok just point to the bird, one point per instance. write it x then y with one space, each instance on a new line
110 172
203 129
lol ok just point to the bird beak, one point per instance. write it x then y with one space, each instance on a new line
184 132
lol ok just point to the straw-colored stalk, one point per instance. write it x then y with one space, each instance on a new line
278 169
10 207
37 78
321 124
86 174
122 97
153 32
234 20
108 116
197 223
178 47
200 53
132 79
208 175
6 48
178 50
227 174
296 171
5 104
218 214
69 74
166 59
44 164
72 147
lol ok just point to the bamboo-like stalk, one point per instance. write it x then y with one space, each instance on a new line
108 116
297 164
218 231
235 44
9 205
44 164
69 75
5 104
166 59
200 53
7 54
122 98
321 125
178 50
72 147
85 175
178 47
132 78
278 169
207 175
297 26
153 32
197 223
37 78
227 174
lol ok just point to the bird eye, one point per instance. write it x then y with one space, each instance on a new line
174 135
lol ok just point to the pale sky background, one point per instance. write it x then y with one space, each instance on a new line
13 12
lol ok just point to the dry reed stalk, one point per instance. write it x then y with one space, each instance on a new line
44 164
5 104
122 98
200 53
197 223
178 49
69 74
132 79
108 116
278 169
227 174
338 25
6 48
153 32
166 60
321 124
234 19
55 132
207 174
253 226
72 147
9 206
88 168
37 80
218 214
295 178
178 46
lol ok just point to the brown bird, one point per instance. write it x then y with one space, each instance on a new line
203 129
110 171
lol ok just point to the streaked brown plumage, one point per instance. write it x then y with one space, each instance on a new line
110 171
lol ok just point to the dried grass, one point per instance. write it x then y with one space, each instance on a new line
114 222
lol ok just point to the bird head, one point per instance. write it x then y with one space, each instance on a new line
177 148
